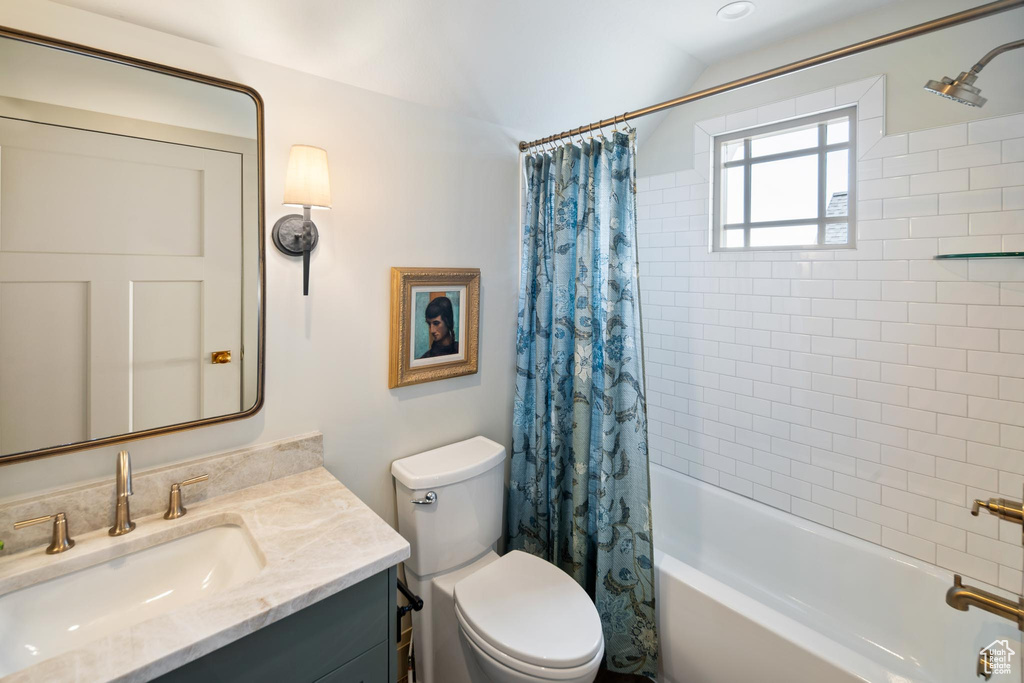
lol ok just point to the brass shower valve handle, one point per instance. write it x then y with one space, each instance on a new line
174 507
61 540
1003 508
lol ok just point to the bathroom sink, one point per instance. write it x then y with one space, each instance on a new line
65 613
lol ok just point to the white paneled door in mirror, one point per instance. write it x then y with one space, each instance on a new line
146 245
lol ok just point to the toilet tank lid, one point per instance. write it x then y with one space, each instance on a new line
448 464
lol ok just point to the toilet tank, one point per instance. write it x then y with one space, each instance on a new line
464 521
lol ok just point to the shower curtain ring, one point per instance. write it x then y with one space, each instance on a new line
625 123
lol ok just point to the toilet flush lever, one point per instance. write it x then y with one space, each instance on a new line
428 499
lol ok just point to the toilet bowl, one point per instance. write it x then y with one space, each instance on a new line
526 620
510 619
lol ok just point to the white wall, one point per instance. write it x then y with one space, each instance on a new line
874 390
907 65
412 187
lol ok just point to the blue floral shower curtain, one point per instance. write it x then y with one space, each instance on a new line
580 490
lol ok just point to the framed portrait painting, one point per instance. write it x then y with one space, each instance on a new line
435 323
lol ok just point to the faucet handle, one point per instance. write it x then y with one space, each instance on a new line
174 507
61 541
1010 510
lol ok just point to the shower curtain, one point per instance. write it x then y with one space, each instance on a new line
579 494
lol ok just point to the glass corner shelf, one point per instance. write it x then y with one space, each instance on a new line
983 254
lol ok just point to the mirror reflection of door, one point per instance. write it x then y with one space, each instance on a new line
120 273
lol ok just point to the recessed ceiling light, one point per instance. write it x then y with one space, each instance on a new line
735 11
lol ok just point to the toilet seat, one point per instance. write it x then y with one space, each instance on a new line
530 616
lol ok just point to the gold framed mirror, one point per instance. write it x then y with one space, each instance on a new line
132 259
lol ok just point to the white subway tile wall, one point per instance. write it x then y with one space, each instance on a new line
876 391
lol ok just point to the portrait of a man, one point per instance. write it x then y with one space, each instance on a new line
440 321
435 323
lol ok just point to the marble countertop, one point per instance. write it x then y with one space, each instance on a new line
315 536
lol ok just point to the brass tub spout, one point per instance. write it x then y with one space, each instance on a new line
963 597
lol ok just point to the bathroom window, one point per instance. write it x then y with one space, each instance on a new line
787 185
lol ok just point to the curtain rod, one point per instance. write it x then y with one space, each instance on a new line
910 32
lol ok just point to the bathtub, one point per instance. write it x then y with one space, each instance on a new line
747 593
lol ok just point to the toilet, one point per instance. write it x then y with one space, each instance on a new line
486 618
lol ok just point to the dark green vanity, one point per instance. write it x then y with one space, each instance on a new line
348 637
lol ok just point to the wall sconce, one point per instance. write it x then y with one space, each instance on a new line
307 184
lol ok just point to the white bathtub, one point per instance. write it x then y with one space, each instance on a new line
746 593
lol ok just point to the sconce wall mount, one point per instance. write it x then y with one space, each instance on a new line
297 235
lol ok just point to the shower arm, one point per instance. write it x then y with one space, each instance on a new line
992 54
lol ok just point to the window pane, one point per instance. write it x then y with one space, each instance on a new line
837 233
798 199
838 131
732 194
732 239
786 141
837 177
732 151
788 236
786 189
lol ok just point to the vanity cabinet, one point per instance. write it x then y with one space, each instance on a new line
348 637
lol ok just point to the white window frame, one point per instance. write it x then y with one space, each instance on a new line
821 149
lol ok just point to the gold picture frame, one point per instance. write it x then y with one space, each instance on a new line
435 324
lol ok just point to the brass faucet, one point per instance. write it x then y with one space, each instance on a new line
123 480
962 597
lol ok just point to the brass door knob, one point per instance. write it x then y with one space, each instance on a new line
61 541
218 357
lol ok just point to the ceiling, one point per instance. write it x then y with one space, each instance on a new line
535 66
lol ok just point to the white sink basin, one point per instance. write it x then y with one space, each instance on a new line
62 614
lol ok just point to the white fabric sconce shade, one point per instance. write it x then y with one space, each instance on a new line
307 182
